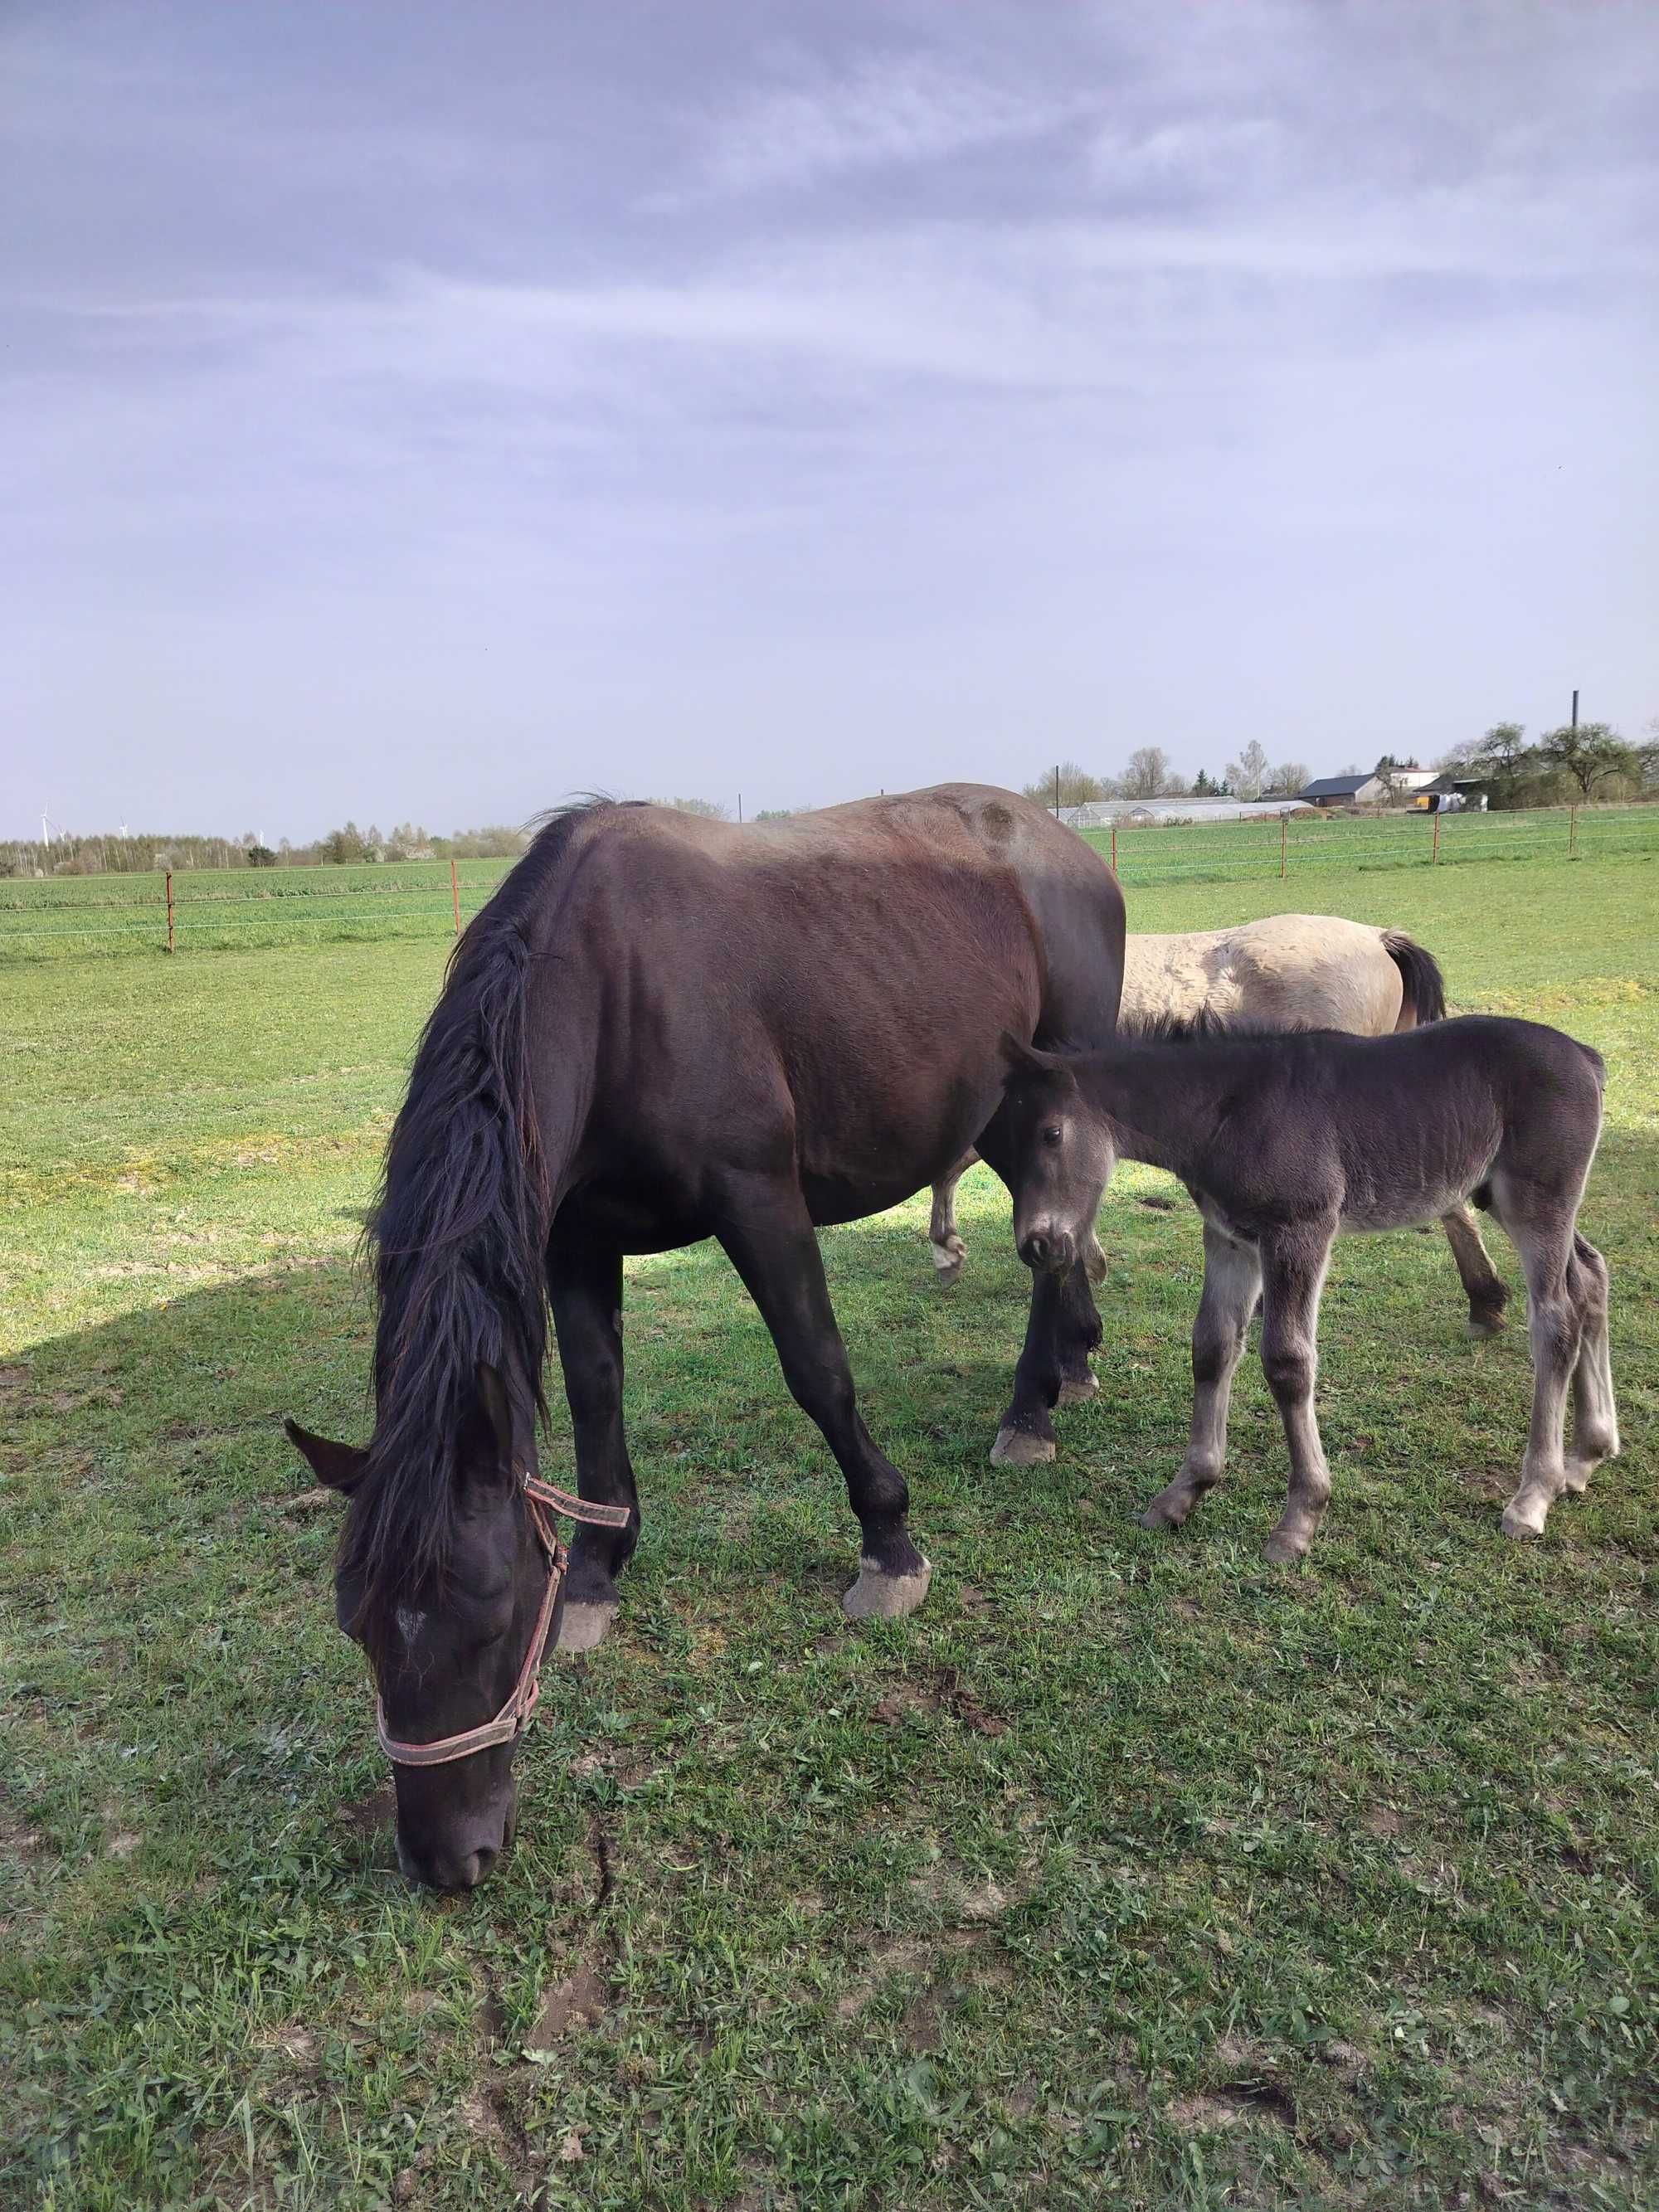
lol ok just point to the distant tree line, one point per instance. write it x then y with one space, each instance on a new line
1580 761
72 854
1150 774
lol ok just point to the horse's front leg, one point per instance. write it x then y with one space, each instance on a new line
1293 1264
585 1288
1054 1368
1232 1284
768 1234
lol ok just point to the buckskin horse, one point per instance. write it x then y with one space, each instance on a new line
660 1029
1287 971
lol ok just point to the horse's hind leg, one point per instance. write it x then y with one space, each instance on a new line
768 1236
1293 1275
585 1288
1232 1284
948 1249
1542 1233
1487 1292
1595 1416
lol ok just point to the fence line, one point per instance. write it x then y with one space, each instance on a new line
166 912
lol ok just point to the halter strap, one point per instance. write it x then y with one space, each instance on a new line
542 1502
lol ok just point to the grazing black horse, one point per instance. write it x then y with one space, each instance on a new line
1288 1142
660 1030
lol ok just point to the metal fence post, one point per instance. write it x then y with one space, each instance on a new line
169 909
1572 833
1115 847
1284 843
455 893
1435 855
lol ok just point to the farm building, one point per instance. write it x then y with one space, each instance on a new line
1363 790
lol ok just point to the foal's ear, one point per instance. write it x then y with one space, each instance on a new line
336 1466
496 1408
1015 1053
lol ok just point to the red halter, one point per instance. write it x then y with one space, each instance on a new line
542 1501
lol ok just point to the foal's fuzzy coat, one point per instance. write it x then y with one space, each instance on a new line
1288 1142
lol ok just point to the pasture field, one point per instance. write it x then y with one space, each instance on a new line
1130 1872
239 909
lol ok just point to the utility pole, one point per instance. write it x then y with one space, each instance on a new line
739 806
1574 710
1056 791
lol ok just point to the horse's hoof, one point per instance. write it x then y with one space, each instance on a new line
1074 1393
1483 1325
1019 1447
877 1597
1521 1522
946 1270
1579 1472
1283 1550
584 1627
1165 1513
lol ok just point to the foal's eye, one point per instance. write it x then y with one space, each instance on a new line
1051 1134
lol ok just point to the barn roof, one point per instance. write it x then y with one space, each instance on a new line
1337 786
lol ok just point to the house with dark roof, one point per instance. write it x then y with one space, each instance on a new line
1359 790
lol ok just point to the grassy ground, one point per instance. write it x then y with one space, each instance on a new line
237 909
1130 1872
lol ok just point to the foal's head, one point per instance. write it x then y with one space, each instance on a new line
1063 1158
445 1633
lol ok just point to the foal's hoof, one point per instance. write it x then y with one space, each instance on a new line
1166 1511
947 1260
1522 1521
1485 1324
1283 1550
877 1597
584 1627
1074 1393
1019 1447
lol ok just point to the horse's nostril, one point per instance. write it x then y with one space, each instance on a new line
1037 1251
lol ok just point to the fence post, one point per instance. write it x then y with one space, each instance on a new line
1435 855
1114 846
1572 833
455 893
169 909
1284 848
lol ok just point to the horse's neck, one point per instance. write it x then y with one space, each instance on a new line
1159 1112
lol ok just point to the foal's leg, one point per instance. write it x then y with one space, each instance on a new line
1595 1416
948 1249
1232 1284
1293 1266
1488 1293
1556 1328
768 1237
585 1287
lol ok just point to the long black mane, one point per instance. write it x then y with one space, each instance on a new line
458 1237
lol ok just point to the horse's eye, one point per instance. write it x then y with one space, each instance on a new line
1051 1134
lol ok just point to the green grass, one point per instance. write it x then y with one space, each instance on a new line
1130 1872
1241 852
232 909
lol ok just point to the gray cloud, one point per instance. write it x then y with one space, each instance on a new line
406 418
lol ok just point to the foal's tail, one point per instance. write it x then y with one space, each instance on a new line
1422 985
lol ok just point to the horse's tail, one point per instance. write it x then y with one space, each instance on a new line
1422 985
458 1237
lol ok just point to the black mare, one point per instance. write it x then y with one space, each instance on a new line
662 1029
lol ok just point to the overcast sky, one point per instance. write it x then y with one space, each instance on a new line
426 411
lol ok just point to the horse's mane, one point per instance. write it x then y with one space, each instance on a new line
1207 1027
458 1240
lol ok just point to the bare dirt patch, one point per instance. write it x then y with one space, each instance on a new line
581 2000
943 1689
364 1816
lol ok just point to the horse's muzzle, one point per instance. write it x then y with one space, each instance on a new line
1048 1251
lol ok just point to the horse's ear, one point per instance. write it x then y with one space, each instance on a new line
336 1466
1015 1053
496 1408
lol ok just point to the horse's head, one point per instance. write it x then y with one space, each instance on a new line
447 1648
1061 1156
